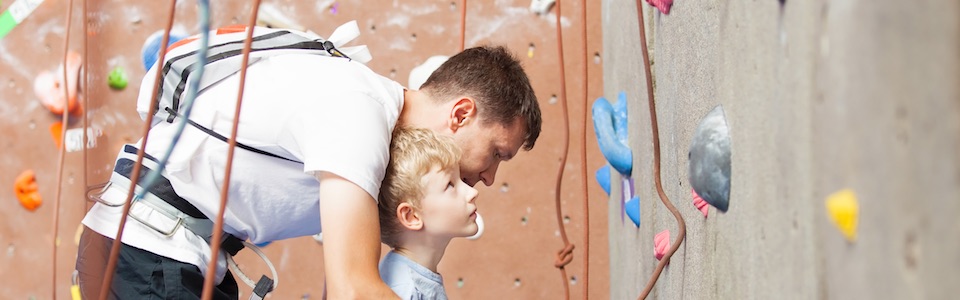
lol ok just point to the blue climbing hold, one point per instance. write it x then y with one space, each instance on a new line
610 125
151 47
603 178
633 210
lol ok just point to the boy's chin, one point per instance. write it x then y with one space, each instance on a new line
471 230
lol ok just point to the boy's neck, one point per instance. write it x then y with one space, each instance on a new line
426 251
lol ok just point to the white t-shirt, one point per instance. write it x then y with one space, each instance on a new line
331 114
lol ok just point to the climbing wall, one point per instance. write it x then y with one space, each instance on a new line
819 96
515 257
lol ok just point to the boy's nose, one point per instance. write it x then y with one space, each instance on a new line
472 195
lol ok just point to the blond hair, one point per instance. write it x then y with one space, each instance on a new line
413 153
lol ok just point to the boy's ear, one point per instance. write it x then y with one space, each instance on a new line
463 111
409 217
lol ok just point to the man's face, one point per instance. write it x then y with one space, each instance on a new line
485 146
448 207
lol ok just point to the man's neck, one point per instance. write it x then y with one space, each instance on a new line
419 111
426 251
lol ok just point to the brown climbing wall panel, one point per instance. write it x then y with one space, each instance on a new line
514 258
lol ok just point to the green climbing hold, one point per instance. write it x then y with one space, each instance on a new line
117 79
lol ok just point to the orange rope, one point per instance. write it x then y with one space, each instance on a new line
218 224
63 147
565 255
583 157
463 24
656 161
135 175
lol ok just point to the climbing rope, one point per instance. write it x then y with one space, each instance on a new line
565 255
463 24
135 174
656 161
65 117
218 224
85 105
583 155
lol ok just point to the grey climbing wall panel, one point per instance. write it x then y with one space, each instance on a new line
819 96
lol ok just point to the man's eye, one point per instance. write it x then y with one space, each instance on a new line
496 155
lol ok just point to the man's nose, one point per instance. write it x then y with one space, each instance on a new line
488 175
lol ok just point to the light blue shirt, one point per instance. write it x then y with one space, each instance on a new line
409 279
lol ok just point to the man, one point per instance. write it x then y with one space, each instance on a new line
325 124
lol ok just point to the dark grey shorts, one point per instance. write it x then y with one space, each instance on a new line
141 274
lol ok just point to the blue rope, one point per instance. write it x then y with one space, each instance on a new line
204 11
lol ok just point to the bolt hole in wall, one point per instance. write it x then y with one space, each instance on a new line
553 99
453 6
373 28
505 188
413 36
516 282
596 58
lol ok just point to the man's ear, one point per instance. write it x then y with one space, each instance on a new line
409 217
462 112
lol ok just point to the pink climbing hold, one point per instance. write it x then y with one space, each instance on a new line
662 5
700 203
661 242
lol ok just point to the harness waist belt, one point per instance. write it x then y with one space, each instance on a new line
176 206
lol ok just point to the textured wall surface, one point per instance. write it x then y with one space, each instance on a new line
819 96
513 260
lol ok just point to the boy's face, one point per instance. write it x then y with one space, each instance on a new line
448 207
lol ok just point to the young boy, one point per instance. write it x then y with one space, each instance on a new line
423 205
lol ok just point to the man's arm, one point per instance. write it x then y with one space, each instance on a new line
351 240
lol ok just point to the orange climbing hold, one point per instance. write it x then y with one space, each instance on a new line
25 187
661 242
49 86
701 204
56 132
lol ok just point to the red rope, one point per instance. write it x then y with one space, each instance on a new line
565 255
656 161
135 175
84 106
583 156
463 24
65 118
218 224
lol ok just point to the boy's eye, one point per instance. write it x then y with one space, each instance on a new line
449 185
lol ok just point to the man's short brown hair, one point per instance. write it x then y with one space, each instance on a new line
495 79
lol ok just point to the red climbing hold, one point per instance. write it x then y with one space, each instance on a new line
25 187
700 203
662 5
661 242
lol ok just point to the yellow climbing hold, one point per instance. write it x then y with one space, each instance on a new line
844 211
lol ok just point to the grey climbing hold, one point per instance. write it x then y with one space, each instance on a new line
710 159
